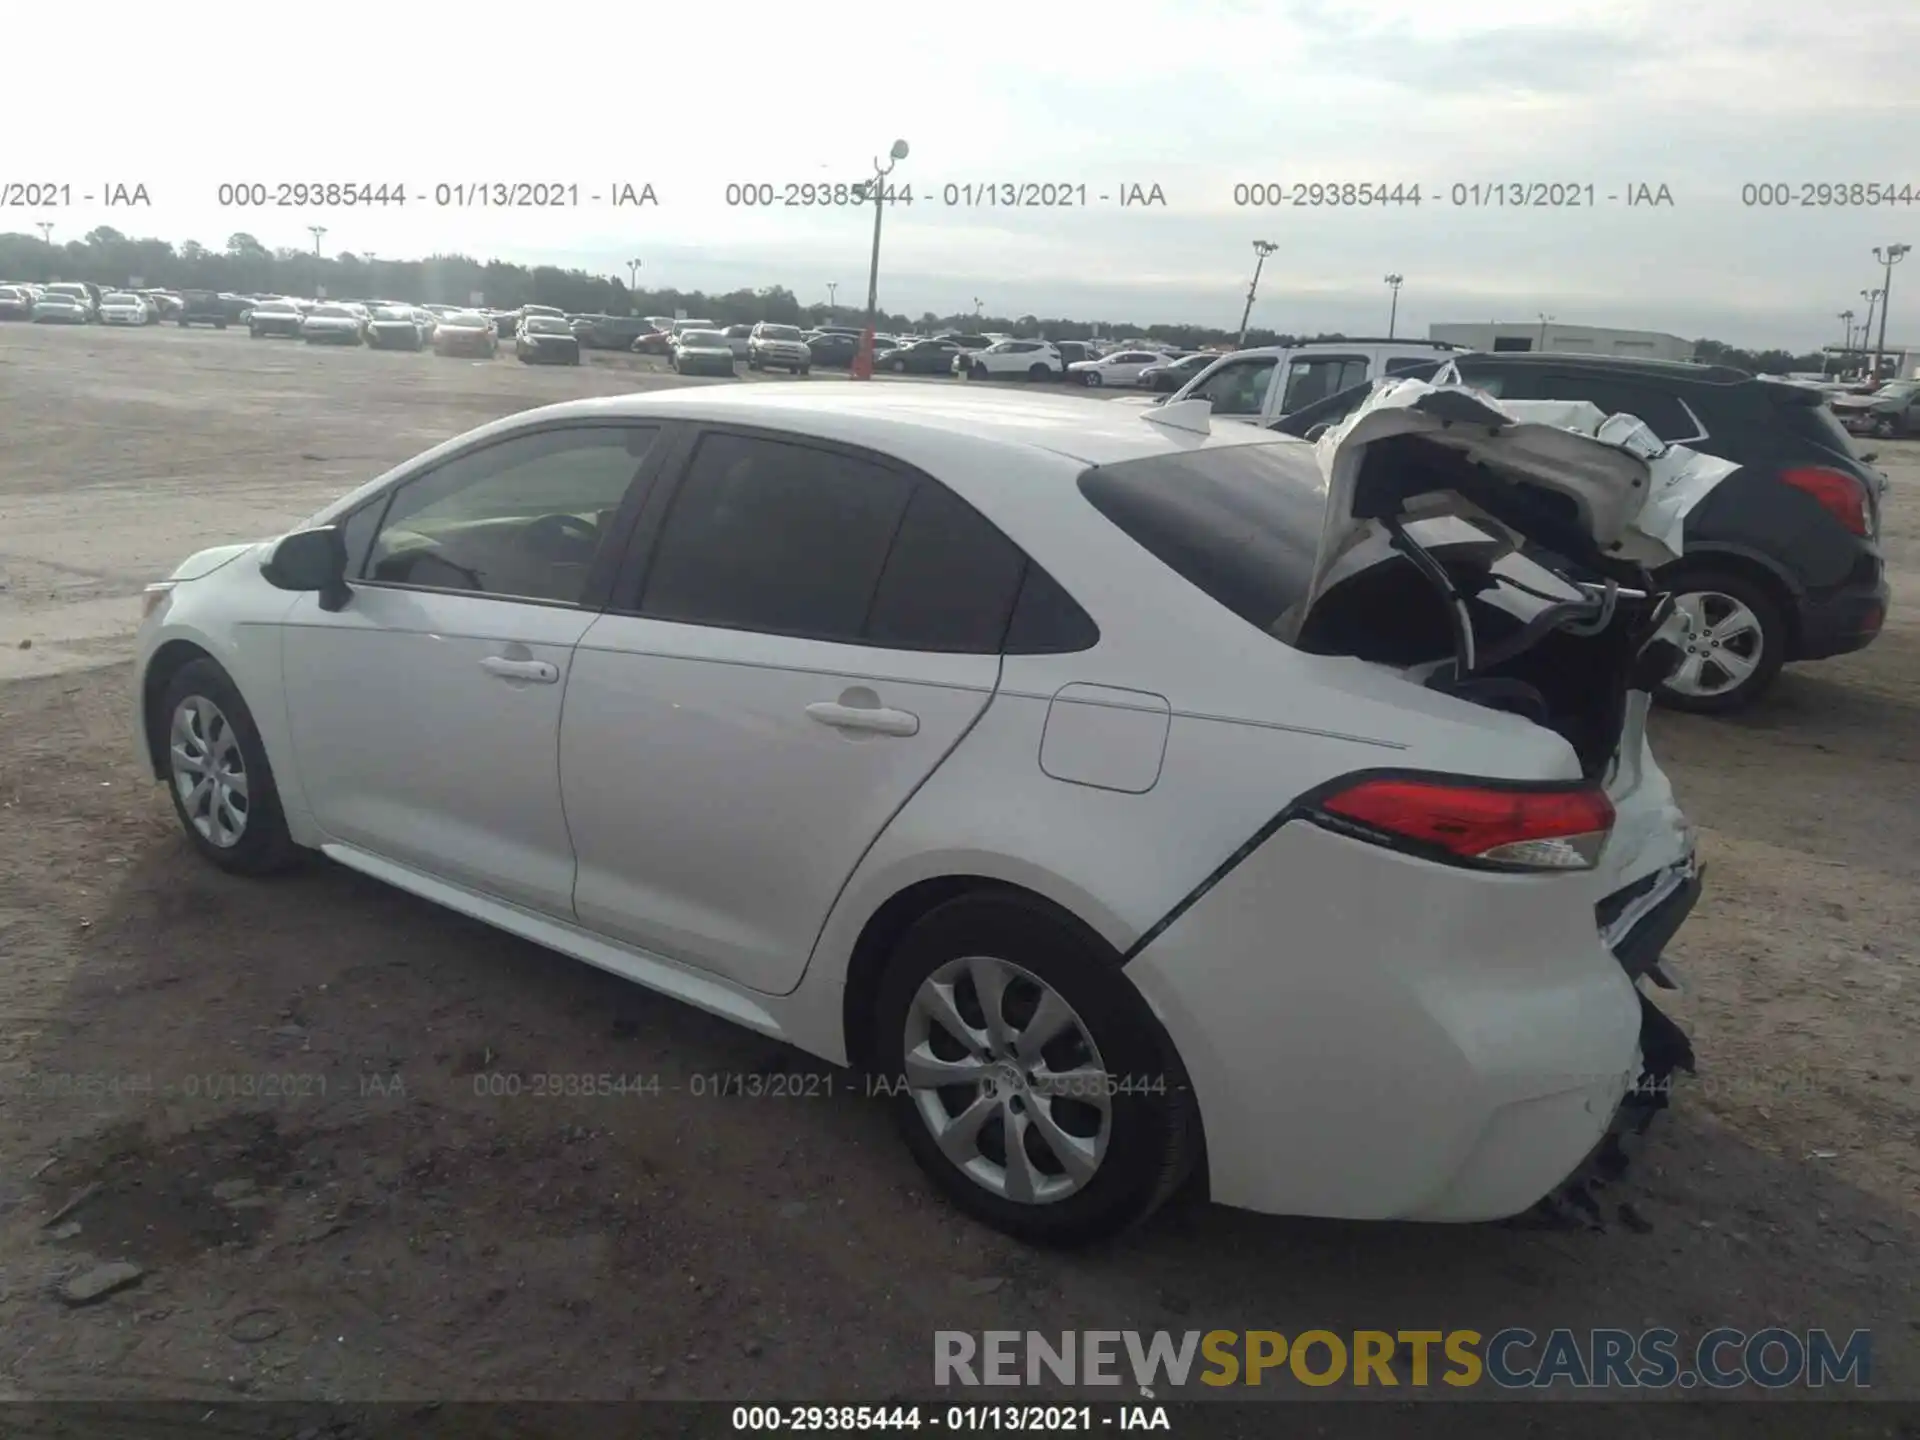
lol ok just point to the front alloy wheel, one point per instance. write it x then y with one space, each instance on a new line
209 771
217 773
1735 649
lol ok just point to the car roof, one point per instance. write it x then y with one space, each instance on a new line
1335 347
1681 370
1091 431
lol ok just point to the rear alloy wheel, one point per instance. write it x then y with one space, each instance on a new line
1884 428
1736 649
1092 377
1028 1077
217 774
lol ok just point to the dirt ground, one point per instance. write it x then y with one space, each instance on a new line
277 1088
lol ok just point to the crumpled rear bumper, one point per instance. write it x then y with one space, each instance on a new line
1665 1052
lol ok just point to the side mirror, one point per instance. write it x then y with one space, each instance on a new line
311 560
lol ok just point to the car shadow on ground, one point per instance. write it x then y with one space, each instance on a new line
448 1121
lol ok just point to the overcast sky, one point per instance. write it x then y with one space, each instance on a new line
1194 96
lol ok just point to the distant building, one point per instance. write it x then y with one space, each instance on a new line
1564 339
1897 362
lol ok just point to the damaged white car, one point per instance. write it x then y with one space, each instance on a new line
1131 800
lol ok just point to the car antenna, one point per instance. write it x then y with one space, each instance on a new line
1189 415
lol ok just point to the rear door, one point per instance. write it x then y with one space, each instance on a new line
802 633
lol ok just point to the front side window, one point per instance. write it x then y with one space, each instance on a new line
1239 388
520 518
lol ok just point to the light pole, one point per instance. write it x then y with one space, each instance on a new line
1544 318
316 231
863 362
1393 312
633 274
1261 250
1845 317
1872 297
45 228
1889 256
978 306
833 309
373 290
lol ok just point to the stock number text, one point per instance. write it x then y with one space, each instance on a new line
309 194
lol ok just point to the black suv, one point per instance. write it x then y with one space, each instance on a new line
1782 559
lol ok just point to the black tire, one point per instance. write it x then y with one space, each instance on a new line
1153 1138
255 333
182 324
219 324
1772 648
264 845
1037 373
806 369
899 367
978 372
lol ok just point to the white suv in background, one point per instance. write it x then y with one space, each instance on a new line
1035 359
1260 386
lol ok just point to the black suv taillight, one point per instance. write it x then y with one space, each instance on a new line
1838 493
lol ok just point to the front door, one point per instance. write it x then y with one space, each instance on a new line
425 714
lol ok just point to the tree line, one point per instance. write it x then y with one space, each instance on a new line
107 257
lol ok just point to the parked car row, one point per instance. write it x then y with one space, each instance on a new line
540 334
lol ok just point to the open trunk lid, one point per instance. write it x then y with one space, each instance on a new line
1603 491
1601 495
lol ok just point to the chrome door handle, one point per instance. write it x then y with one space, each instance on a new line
540 672
874 719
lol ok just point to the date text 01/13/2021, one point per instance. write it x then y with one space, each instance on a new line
1461 195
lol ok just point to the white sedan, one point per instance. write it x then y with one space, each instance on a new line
334 325
1123 367
120 308
1122 797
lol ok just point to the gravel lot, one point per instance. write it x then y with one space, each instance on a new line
386 1232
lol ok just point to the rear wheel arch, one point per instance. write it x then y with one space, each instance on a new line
167 662
887 925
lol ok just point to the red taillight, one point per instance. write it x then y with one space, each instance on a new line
1534 828
1839 494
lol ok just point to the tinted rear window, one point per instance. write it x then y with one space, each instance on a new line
1240 522
1813 424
